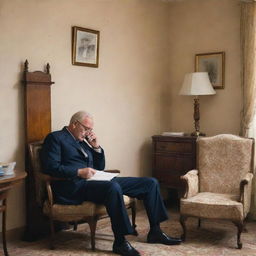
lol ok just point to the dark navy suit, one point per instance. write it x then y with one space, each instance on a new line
62 156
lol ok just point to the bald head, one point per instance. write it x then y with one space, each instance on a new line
81 125
80 116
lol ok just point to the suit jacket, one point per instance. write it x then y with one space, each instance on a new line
61 157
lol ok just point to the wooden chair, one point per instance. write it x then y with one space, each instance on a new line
86 212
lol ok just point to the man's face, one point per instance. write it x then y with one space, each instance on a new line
81 129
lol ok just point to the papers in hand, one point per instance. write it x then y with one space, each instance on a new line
101 175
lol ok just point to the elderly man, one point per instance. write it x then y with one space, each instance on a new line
74 153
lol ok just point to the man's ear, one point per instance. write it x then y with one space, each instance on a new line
74 125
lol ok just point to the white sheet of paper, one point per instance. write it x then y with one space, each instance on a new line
101 175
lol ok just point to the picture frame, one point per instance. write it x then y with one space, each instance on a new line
214 64
85 47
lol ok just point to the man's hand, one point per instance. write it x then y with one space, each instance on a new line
86 173
93 140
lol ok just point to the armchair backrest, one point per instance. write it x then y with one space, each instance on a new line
223 160
36 169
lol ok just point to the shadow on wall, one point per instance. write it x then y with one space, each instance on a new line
145 159
166 107
19 155
170 196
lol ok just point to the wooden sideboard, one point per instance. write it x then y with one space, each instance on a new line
173 156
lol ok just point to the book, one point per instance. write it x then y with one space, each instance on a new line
173 134
101 175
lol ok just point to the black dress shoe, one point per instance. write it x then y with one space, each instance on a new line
161 238
125 249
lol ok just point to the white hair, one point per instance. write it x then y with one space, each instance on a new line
80 116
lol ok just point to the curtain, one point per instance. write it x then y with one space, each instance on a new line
248 50
248 47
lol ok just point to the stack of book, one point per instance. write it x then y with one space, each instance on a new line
173 133
7 168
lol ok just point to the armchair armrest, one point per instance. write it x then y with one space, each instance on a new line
245 192
47 179
112 171
190 181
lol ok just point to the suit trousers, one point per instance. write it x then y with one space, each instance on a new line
110 193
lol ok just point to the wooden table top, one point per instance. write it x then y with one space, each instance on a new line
17 176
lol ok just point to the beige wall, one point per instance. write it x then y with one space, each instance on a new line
146 47
123 93
200 26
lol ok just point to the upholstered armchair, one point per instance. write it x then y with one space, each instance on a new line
221 187
86 212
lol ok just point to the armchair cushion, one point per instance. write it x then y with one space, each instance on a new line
69 212
213 205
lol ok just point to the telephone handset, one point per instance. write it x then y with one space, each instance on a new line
88 138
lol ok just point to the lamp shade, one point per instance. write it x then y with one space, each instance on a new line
197 83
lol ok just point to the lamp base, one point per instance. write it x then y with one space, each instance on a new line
197 133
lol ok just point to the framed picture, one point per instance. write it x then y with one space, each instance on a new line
214 64
85 47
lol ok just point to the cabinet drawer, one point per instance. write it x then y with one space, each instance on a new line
172 181
173 156
178 147
173 164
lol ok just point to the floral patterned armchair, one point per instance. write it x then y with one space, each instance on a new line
221 187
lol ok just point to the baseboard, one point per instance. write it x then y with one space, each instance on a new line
14 234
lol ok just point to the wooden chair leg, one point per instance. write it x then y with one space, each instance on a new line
245 230
240 227
52 237
4 227
133 209
75 226
92 224
182 222
199 223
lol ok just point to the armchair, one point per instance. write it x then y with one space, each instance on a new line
221 187
86 212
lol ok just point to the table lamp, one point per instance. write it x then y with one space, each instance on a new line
196 84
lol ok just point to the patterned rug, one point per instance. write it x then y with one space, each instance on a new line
214 238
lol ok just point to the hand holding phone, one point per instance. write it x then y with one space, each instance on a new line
89 138
92 139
